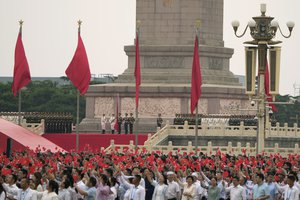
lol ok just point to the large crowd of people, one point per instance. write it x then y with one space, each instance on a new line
139 175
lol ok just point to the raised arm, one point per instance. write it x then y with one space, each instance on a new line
205 177
123 181
13 191
82 192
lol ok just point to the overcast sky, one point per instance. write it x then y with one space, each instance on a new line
50 34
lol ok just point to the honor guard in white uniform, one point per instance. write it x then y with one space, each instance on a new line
103 123
112 121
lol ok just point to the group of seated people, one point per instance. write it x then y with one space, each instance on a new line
139 175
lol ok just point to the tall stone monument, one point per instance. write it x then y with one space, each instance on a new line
167 36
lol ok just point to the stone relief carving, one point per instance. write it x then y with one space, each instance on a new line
237 107
150 107
202 106
229 106
168 3
163 62
128 105
166 106
215 63
104 105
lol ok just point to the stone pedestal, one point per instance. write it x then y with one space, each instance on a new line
173 65
167 99
167 36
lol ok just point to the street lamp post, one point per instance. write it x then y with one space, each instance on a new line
262 29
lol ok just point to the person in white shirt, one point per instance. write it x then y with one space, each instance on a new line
90 190
291 192
173 192
113 188
112 121
222 184
189 189
25 193
243 183
50 193
236 191
272 187
2 193
137 171
202 190
160 190
198 188
11 180
135 191
64 193
37 180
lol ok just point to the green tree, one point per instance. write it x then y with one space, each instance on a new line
8 103
287 111
43 96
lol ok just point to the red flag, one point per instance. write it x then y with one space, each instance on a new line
267 88
196 78
21 68
137 71
79 71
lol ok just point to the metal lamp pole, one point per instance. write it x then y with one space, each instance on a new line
262 29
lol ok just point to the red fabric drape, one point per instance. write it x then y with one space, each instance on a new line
196 81
21 68
78 70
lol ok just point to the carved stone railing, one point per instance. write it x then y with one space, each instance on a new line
209 149
11 117
204 130
38 128
159 135
41 122
285 131
222 130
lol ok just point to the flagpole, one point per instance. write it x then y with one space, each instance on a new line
19 107
20 93
138 24
79 74
136 127
117 115
77 122
196 131
197 25
77 110
9 140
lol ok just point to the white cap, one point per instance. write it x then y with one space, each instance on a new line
170 173
195 174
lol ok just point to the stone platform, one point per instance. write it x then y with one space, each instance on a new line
167 99
166 39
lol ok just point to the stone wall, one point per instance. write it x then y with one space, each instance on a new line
171 22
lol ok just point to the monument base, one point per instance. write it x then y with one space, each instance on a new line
166 99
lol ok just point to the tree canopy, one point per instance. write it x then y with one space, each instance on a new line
42 96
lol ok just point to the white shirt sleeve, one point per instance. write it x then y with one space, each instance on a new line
2 196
